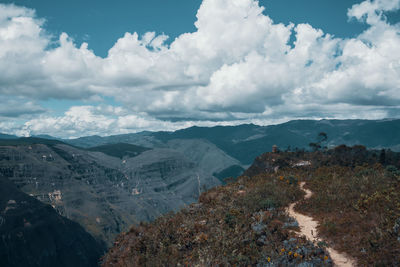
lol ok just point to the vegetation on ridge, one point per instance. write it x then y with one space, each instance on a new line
358 210
356 201
243 223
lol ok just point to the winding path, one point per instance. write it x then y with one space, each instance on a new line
308 228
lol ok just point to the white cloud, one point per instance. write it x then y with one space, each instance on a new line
14 107
108 120
372 11
95 120
237 66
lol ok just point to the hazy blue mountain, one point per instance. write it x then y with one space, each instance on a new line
144 139
7 136
208 157
245 142
46 136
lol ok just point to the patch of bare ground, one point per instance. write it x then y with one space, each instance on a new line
309 228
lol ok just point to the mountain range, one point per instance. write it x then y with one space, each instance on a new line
106 184
245 142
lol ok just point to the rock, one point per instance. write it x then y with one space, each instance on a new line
262 240
319 251
258 228
293 223
396 226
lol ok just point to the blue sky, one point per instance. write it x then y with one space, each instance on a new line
102 22
234 66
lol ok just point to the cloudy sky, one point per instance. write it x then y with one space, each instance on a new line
76 68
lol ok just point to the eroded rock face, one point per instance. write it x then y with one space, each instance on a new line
33 234
105 194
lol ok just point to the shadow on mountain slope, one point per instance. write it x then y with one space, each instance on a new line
33 234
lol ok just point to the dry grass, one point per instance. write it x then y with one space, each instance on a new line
357 209
356 200
218 230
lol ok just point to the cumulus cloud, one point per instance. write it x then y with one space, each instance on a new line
238 66
372 11
108 120
14 107
96 120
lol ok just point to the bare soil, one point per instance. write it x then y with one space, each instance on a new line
308 228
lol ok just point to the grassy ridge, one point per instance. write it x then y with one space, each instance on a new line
356 201
358 210
242 223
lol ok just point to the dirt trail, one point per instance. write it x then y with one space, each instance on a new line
308 228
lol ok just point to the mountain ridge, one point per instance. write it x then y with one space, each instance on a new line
247 141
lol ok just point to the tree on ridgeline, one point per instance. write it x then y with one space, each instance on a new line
382 157
322 137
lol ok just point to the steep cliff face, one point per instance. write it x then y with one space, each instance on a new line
105 194
70 183
33 234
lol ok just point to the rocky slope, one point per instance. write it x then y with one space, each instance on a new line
107 194
33 234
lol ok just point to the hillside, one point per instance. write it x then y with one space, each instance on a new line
104 192
33 234
27 141
245 142
355 201
119 150
7 136
135 178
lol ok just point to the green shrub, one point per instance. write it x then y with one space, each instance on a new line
365 172
230 219
392 170
292 179
267 204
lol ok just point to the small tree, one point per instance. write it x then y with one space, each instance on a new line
315 146
382 157
321 138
